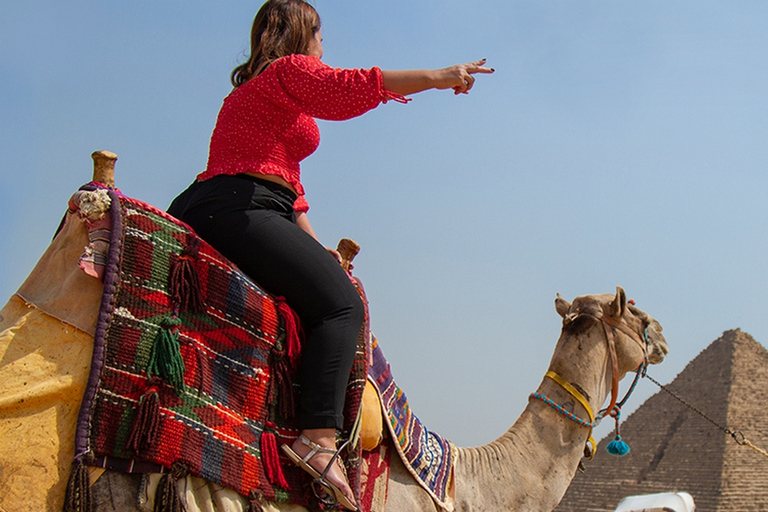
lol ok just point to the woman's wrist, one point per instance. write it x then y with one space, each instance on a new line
458 77
410 81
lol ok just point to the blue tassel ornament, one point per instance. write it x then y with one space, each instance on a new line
618 447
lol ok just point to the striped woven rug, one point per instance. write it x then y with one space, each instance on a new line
425 454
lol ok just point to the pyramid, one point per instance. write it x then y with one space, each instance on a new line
676 449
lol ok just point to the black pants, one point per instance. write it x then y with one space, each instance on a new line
252 223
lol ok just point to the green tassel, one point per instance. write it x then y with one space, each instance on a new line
165 359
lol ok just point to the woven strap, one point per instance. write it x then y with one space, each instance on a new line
575 393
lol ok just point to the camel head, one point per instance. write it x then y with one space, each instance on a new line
591 321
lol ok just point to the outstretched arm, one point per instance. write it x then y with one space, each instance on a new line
458 77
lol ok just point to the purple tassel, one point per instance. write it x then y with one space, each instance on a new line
78 494
184 285
145 425
167 498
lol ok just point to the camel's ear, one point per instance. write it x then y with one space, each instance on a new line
619 304
562 306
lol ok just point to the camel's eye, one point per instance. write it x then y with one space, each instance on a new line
580 323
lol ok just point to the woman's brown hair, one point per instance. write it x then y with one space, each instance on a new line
280 28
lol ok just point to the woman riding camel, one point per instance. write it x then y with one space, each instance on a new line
250 205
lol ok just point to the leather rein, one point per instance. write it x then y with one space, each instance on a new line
609 325
614 407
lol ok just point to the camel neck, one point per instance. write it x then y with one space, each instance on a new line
537 457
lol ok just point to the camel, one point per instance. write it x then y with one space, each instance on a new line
528 468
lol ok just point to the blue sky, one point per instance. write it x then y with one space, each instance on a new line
618 143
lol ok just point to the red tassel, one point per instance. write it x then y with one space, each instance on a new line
293 331
184 285
146 421
281 388
78 494
271 459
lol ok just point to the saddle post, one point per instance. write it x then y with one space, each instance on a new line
348 249
104 168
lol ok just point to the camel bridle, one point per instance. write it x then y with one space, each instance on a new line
613 410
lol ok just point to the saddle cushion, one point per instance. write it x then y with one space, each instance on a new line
372 429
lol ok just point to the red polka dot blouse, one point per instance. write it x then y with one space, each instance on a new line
267 125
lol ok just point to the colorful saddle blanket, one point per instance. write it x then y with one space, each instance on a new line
192 365
426 455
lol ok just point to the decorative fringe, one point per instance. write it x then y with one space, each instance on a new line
145 423
618 447
281 387
293 331
165 359
184 284
78 495
167 497
254 502
271 458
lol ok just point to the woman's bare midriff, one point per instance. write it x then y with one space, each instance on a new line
273 179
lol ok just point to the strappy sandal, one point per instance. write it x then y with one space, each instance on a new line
332 495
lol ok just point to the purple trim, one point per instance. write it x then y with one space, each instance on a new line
111 281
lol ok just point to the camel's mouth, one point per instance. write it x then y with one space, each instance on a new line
658 345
